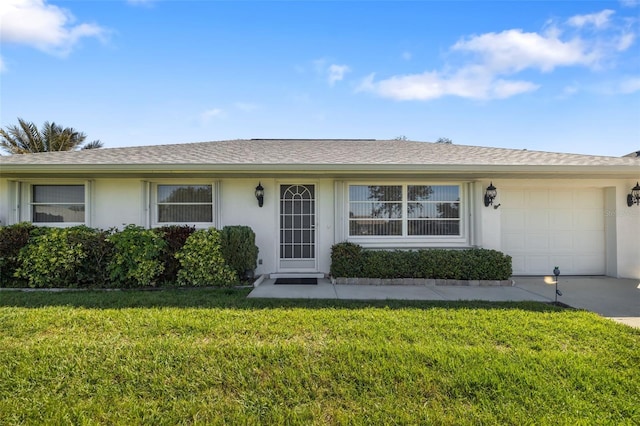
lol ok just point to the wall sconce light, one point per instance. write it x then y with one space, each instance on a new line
260 194
490 195
634 196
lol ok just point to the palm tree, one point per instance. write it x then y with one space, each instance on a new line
25 138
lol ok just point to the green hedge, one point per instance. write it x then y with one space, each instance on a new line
239 250
43 257
351 260
204 270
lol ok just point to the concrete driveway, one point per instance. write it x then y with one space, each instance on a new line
615 298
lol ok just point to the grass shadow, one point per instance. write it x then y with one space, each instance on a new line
209 298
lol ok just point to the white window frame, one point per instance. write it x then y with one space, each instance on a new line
26 202
409 241
153 203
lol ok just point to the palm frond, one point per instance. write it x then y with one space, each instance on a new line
93 145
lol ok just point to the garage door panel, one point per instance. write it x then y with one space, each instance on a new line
554 227
517 263
590 199
514 219
589 219
561 241
537 219
536 263
588 241
586 264
539 198
516 241
537 242
513 198
561 199
561 219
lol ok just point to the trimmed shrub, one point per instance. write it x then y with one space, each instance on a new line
58 257
239 250
346 260
136 258
12 239
202 261
93 271
174 236
350 260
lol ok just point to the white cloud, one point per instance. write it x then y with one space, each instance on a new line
472 83
210 114
625 41
514 50
46 27
246 106
628 85
570 90
333 72
491 61
336 73
630 3
598 20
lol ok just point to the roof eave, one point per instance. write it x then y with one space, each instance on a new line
475 170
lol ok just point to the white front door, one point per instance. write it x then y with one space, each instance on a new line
297 244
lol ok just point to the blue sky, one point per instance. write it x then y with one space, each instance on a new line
559 76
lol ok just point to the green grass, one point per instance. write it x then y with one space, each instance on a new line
215 357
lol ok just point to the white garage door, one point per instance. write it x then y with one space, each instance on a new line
543 228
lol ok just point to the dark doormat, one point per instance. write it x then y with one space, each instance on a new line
299 281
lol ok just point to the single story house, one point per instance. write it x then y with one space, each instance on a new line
578 212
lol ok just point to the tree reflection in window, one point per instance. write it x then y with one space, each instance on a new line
430 210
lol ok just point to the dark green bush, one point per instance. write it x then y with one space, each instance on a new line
202 262
346 260
12 239
136 258
93 271
174 236
239 250
64 257
350 260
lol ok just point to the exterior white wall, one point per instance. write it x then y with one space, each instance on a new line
239 206
622 223
628 233
6 206
115 202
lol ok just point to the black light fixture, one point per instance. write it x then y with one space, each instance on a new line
634 196
490 195
260 194
556 273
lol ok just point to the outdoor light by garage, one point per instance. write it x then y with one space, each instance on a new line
634 196
490 195
260 194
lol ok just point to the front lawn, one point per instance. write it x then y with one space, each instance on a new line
215 357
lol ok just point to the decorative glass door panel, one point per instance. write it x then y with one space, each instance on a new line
297 226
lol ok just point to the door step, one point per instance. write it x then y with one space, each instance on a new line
296 275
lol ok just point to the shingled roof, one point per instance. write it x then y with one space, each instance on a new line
310 154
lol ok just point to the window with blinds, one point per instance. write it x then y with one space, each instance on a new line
184 203
57 204
404 210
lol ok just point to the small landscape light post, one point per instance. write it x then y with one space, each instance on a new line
556 272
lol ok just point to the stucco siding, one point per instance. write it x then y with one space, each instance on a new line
115 202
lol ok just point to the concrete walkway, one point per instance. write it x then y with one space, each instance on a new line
618 299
